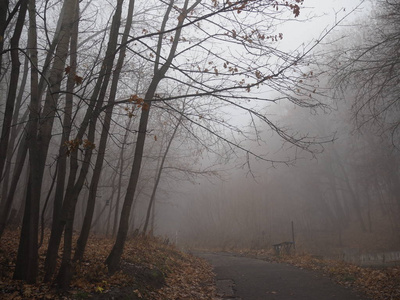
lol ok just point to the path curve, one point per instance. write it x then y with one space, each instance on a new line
243 278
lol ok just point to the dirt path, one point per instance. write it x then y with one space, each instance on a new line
244 278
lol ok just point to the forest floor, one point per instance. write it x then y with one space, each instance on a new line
376 283
151 269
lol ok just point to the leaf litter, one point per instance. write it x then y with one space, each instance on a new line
151 269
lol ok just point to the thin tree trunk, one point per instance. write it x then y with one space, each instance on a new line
19 165
43 136
153 194
12 90
67 121
3 22
71 197
42 217
354 196
83 237
72 190
15 130
50 52
120 173
153 218
27 258
114 188
94 223
113 260
55 79
64 275
6 201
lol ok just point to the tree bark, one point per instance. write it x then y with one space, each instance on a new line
3 21
111 202
113 260
74 188
12 90
120 174
67 120
84 235
19 165
27 258
15 131
153 194
9 114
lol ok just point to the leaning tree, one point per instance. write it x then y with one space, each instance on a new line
219 56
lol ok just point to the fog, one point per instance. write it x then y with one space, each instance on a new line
212 125
338 200
341 198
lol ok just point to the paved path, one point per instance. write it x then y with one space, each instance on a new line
244 278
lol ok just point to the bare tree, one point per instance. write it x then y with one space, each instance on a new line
230 92
103 140
369 67
366 72
216 56
27 259
39 140
158 176
12 91
75 180
8 135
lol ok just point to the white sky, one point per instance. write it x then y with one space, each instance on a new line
322 14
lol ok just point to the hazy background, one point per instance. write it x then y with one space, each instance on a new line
317 156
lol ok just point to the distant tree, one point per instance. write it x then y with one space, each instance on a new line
367 68
77 176
158 176
217 56
83 237
366 73
229 46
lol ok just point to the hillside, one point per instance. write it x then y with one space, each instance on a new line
151 269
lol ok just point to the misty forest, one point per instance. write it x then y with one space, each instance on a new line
206 124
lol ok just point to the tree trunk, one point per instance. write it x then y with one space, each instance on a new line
55 78
113 260
3 20
12 90
10 114
120 174
83 237
74 188
66 269
27 258
19 165
15 130
153 194
94 223
67 28
111 202
50 52
67 121
354 196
